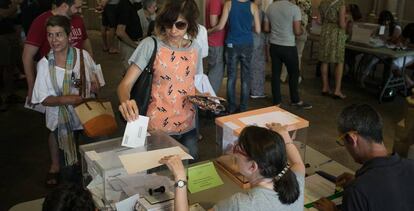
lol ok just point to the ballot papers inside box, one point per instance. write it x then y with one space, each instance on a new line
110 181
228 129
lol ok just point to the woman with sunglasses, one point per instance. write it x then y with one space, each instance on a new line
176 63
271 163
57 87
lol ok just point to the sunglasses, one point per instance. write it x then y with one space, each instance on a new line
238 150
340 140
180 25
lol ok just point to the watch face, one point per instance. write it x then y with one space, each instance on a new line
180 183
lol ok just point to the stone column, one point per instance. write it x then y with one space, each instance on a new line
401 9
392 5
372 16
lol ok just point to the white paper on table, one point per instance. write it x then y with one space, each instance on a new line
142 161
127 204
228 135
284 118
35 107
317 187
135 132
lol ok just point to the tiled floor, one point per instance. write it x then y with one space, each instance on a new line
24 152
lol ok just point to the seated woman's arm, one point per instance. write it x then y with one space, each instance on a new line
294 158
175 165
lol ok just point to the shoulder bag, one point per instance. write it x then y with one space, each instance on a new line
141 91
96 115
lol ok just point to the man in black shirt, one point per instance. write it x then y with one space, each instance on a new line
128 30
384 182
10 51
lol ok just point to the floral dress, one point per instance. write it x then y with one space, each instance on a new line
333 37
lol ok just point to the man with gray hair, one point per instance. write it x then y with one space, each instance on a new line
384 182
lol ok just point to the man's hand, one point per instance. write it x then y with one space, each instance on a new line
344 179
324 204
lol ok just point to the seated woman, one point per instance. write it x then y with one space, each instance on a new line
57 87
406 40
177 61
69 196
391 35
271 163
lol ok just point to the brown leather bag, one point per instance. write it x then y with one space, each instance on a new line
96 115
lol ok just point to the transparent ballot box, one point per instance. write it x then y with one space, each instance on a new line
228 129
107 179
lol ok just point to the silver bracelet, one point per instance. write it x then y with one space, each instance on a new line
290 142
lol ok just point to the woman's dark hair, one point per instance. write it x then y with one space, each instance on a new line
355 12
408 32
386 16
170 11
69 197
267 149
59 20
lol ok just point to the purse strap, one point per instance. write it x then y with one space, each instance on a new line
82 89
150 64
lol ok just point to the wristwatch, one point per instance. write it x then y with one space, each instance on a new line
180 183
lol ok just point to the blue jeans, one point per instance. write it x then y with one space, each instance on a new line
215 66
189 140
236 53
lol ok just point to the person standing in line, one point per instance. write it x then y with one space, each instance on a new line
332 44
129 29
257 73
37 43
305 7
284 23
240 15
176 63
147 15
57 87
9 56
109 22
213 11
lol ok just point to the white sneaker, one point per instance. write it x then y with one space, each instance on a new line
258 96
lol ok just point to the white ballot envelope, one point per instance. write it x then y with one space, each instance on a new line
135 132
141 161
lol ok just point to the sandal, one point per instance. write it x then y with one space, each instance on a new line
52 179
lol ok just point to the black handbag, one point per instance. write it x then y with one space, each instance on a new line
141 91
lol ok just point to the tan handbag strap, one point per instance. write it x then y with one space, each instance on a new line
99 100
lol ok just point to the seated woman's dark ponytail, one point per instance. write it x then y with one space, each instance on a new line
267 149
286 185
